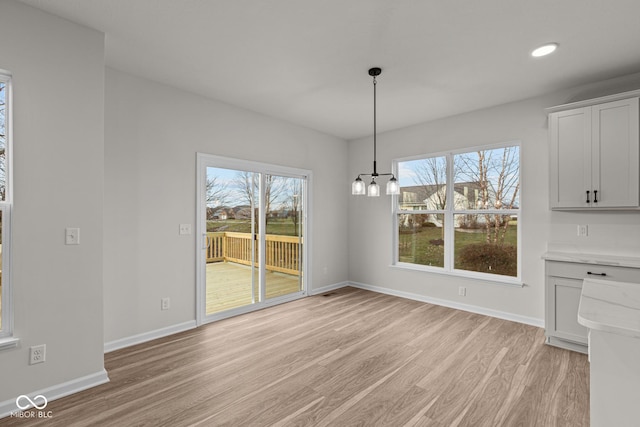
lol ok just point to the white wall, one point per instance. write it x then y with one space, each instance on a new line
152 135
370 231
58 76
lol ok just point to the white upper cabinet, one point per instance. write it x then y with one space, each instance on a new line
595 155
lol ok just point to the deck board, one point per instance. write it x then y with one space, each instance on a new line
229 286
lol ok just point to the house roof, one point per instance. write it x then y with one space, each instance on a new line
423 192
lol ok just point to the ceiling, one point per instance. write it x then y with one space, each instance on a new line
306 61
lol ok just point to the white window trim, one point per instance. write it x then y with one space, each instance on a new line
448 269
7 340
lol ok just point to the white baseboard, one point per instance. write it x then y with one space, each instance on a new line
9 407
453 304
148 336
328 288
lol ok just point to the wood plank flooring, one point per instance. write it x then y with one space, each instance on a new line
351 358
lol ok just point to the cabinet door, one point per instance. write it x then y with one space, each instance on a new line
565 303
570 158
615 153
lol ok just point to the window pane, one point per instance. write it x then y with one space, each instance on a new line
422 184
487 179
283 252
3 140
231 198
486 243
421 239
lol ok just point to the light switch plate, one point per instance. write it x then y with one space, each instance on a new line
185 229
72 236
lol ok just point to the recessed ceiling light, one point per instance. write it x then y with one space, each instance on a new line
544 50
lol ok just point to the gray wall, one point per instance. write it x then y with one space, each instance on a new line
370 230
152 135
58 76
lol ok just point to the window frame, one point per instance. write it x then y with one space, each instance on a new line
449 213
6 326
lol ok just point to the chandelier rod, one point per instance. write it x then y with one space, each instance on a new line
375 171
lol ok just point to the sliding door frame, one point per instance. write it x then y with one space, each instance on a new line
203 161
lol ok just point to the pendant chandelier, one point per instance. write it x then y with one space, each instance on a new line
373 189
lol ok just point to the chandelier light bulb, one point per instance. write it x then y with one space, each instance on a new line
374 189
393 188
357 188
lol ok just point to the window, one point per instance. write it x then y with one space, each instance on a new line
5 205
459 213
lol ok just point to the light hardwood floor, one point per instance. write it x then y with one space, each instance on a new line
351 358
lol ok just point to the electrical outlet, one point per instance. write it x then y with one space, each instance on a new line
165 304
583 230
37 354
462 291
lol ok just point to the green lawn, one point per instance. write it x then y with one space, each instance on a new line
425 246
278 226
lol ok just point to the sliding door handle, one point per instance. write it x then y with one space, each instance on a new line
205 241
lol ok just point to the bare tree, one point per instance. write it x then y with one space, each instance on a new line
431 174
249 183
294 200
217 191
217 194
496 172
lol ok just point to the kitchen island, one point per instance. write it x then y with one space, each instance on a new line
611 312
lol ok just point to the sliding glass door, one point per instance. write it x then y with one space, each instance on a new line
283 239
251 222
231 248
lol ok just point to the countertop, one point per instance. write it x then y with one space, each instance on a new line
586 258
610 306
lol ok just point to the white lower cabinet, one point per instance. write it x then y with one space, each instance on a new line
563 290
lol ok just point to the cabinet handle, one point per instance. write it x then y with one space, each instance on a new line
596 274
595 196
588 197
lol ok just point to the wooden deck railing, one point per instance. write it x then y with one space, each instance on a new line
282 252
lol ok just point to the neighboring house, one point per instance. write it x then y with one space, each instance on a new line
466 195
221 215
